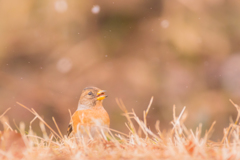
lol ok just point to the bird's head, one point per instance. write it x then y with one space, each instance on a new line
92 96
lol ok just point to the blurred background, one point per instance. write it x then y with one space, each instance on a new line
182 52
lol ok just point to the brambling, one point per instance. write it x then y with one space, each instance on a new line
90 114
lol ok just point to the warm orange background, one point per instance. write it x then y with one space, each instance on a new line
182 52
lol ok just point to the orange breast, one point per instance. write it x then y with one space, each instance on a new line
96 116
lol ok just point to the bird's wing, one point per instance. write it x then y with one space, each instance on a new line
70 129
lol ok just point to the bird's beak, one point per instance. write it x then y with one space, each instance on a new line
101 95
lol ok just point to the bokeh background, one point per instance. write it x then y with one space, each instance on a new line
182 52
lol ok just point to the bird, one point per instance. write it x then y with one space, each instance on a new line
90 115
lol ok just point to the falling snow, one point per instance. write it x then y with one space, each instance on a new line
165 24
95 9
60 6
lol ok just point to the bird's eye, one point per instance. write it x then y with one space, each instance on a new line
89 93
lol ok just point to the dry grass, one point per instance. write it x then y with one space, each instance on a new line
140 143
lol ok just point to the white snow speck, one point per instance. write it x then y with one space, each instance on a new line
165 23
95 9
60 6
64 65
